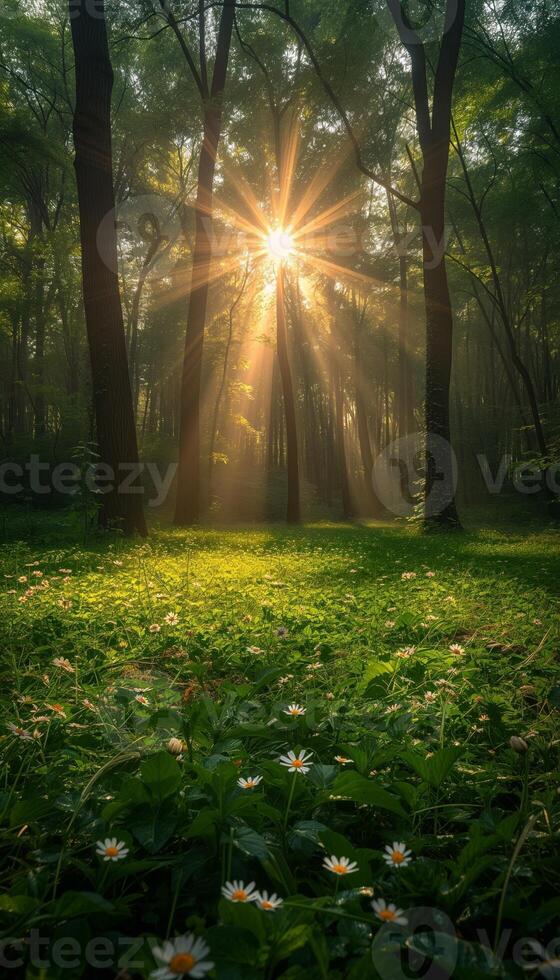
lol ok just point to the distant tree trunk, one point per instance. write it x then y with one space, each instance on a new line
404 399
187 510
293 510
342 462
434 131
112 397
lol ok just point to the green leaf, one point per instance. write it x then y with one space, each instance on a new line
161 773
250 842
435 768
352 786
71 904
18 904
153 828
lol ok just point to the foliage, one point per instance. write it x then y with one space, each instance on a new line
416 660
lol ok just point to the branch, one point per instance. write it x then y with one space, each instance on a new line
170 17
372 175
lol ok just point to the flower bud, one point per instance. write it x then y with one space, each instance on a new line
518 744
175 746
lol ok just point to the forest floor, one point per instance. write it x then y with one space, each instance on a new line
145 683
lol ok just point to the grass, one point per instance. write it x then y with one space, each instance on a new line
176 662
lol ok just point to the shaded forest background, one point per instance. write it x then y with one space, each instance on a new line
355 315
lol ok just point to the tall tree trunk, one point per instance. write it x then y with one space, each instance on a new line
434 129
112 396
187 509
293 510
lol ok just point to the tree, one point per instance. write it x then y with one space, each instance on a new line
187 509
112 395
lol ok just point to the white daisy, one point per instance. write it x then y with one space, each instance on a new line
183 956
397 855
269 903
342 760
295 710
171 619
548 966
237 891
20 732
388 913
110 850
250 782
297 763
340 866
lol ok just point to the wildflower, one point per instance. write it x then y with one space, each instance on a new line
65 604
342 760
22 579
406 653
110 850
237 891
390 709
407 576
64 664
171 619
183 956
295 710
65 571
389 623
430 574
154 628
548 966
254 650
284 680
269 903
340 866
20 732
316 666
88 704
430 696
250 782
281 631
58 709
297 763
329 696
37 574
388 913
457 649
397 856
141 699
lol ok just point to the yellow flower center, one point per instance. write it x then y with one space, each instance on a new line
294 711
297 763
387 915
266 905
397 857
182 963
111 852
240 895
340 869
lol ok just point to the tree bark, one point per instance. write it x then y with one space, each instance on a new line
434 130
187 509
293 510
112 396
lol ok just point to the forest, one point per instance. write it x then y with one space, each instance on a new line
279 489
